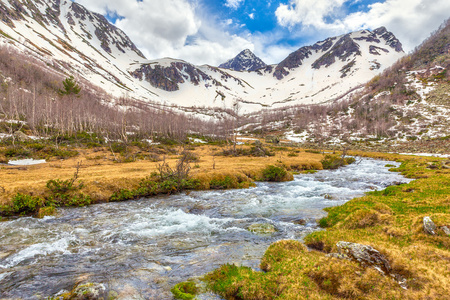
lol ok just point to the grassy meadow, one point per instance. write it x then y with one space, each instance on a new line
106 174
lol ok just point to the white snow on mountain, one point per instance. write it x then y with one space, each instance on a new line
78 42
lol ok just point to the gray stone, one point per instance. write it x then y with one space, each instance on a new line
446 230
365 255
21 137
429 226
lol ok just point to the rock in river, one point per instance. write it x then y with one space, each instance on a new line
262 228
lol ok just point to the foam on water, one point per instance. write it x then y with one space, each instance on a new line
59 246
168 222
171 238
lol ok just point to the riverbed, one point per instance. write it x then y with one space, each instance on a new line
146 246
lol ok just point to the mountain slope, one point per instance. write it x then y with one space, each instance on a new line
77 42
244 61
405 109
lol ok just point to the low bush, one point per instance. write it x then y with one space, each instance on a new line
23 204
276 174
333 161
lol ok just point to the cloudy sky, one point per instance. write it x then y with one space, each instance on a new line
213 31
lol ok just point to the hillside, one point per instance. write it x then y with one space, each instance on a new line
405 109
75 41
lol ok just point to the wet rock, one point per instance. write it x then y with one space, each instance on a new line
446 230
429 226
328 197
21 137
89 291
300 222
262 228
365 255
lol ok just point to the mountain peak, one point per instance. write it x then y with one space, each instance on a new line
244 61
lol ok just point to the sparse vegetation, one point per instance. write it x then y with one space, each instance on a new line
389 220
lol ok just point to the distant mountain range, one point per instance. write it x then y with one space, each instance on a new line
75 41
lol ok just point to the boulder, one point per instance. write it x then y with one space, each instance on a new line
262 228
429 226
21 137
446 230
365 255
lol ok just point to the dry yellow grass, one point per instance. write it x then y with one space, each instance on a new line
102 176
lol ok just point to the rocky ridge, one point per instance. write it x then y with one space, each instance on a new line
244 61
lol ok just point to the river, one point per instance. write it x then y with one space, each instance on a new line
144 247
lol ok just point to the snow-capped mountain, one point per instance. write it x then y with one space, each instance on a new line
244 61
73 40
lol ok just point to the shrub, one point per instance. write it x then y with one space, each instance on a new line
185 290
79 200
17 152
23 204
122 195
273 173
223 183
333 162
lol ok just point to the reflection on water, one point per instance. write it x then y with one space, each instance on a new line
147 246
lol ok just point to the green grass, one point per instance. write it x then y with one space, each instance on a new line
388 220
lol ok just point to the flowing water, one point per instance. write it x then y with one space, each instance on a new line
144 247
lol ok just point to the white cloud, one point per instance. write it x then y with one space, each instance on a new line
251 16
308 13
234 4
411 21
174 28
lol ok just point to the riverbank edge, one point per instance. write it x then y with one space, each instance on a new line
325 277
43 201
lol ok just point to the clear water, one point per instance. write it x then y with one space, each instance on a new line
147 246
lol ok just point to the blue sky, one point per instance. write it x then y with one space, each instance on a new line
212 31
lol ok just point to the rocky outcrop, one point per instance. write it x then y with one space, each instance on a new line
380 34
244 61
367 256
428 226
363 254
107 34
377 50
389 37
343 49
294 60
168 78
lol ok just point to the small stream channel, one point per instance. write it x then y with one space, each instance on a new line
144 247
